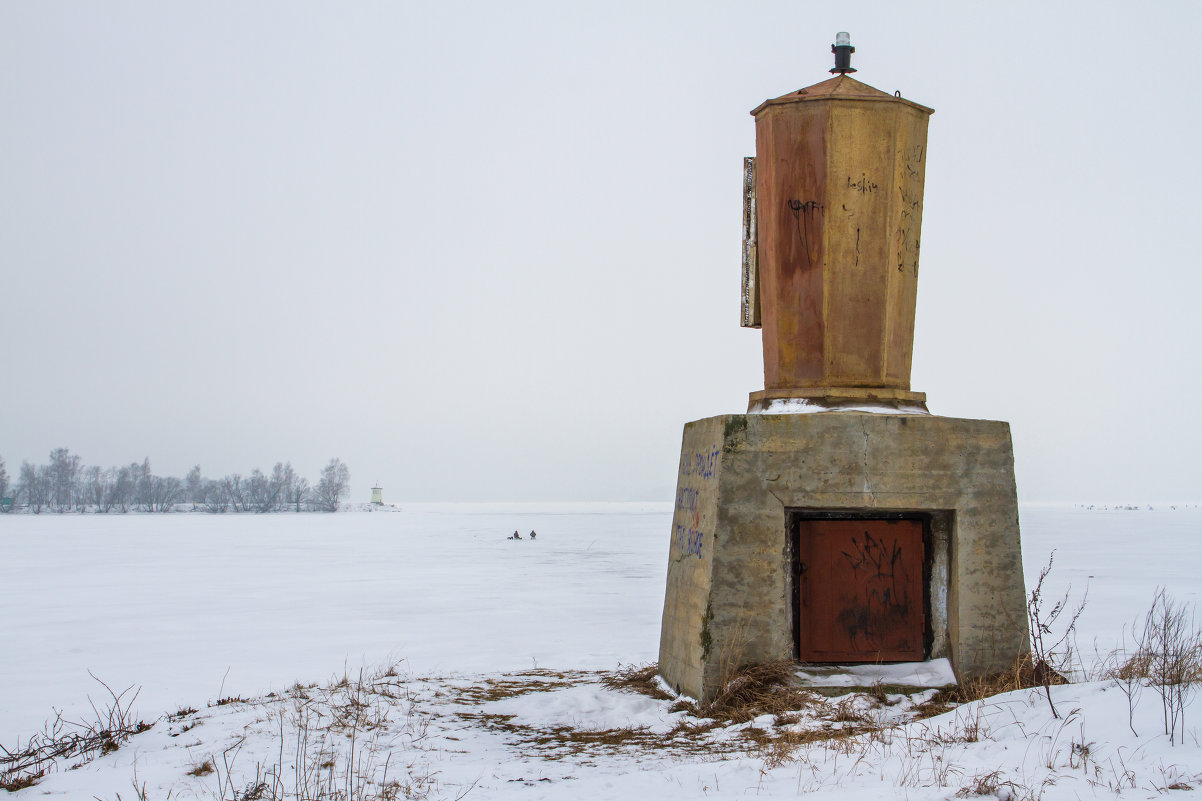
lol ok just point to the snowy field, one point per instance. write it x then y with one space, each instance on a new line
192 608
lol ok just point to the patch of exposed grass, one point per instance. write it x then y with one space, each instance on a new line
513 685
555 743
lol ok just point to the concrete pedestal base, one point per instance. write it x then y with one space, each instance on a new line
745 479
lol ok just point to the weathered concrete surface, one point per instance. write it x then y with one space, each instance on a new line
728 599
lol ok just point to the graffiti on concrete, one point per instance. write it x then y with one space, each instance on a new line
696 467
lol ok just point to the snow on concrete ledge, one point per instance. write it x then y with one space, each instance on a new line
933 673
812 406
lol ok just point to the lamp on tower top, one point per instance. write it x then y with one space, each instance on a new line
842 49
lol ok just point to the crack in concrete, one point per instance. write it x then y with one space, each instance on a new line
864 464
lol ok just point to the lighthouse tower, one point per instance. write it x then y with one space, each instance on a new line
838 521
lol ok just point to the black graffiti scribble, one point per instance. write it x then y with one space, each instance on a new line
885 606
864 186
802 212
914 162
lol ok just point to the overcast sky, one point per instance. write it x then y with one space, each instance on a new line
491 251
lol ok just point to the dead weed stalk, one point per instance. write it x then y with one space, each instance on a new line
77 742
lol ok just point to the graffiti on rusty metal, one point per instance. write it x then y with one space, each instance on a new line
881 574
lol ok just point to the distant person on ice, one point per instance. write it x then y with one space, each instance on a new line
516 536
532 535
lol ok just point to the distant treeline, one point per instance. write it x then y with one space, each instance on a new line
67 485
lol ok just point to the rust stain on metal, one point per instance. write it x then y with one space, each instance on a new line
839 174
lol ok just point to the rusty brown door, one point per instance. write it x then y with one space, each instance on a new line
860 590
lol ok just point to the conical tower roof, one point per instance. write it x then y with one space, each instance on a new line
841 87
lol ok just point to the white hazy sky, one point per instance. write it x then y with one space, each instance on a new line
491 251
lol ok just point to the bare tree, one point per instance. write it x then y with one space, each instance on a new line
215 498
299 492
33 484
333 485
64 473
83 489
235 492
163 493
282 479
104 490
143 484
91 491
124 488
194 486
261 492
4 507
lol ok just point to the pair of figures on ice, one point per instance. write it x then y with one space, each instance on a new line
517 536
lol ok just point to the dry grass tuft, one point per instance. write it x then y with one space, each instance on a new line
639 679
20 781
887 694
986 784
203 769
845 712
1023 675
782 747
181 713
754 690
230 699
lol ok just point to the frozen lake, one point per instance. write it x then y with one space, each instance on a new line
193 606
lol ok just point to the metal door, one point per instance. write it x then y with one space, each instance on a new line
860 590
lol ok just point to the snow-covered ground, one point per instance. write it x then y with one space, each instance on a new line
498 642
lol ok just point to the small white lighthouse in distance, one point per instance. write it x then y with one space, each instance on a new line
377 495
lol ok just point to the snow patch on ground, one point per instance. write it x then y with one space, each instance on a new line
504 645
